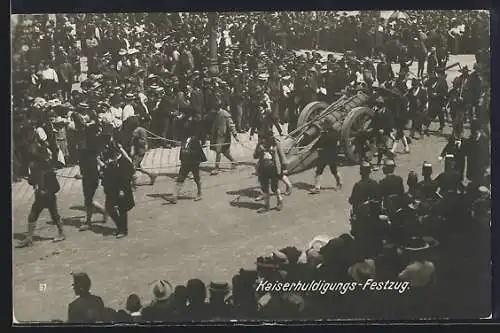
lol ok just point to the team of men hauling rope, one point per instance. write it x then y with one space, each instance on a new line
114 154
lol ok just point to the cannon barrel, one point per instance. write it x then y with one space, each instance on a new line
341 114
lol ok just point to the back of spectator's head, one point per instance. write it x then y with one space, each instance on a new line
81 282
218 290
196 291
133 303
181 294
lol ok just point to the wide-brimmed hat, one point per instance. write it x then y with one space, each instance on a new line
129 96
162 290
122 52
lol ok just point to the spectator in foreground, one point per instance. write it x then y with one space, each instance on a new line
197 294
132 311
87 308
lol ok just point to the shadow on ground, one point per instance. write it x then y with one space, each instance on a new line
19 236
250 192
246 204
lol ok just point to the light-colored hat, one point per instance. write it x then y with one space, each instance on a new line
122 52
133 51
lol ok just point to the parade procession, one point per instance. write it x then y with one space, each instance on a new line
181 146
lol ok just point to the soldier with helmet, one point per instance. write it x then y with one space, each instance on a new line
365 189
426 188
391 187
417 100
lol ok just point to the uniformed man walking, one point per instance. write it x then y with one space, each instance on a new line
391 187
327 147
44 182
365 189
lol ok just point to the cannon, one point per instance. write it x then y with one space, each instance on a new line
350 114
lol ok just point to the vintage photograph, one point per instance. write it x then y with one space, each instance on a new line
266 166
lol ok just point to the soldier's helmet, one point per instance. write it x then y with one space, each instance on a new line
412 179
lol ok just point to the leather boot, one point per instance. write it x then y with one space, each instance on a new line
28 241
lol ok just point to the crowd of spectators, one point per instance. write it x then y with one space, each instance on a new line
130 59
160 66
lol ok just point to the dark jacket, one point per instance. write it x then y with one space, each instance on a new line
158 311
86 309
191 151
364 190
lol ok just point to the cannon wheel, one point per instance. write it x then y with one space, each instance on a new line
358 118
310 111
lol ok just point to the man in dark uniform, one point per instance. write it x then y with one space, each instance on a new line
449 183
88 150
437 92
327 147
417 99
456 147
117 174
457 107
191 156
426 189
44 182
87 308
449 187
478 154
384 71
391 187
364 190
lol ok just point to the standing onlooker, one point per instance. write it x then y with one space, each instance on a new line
132 311
87 308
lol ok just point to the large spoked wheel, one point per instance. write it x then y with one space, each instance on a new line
357 120
310 111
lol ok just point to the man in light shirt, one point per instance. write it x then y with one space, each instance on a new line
128 109
50 79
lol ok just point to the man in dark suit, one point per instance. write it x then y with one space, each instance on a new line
365 189
87 308
191 156
391 187
437 92
417 99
